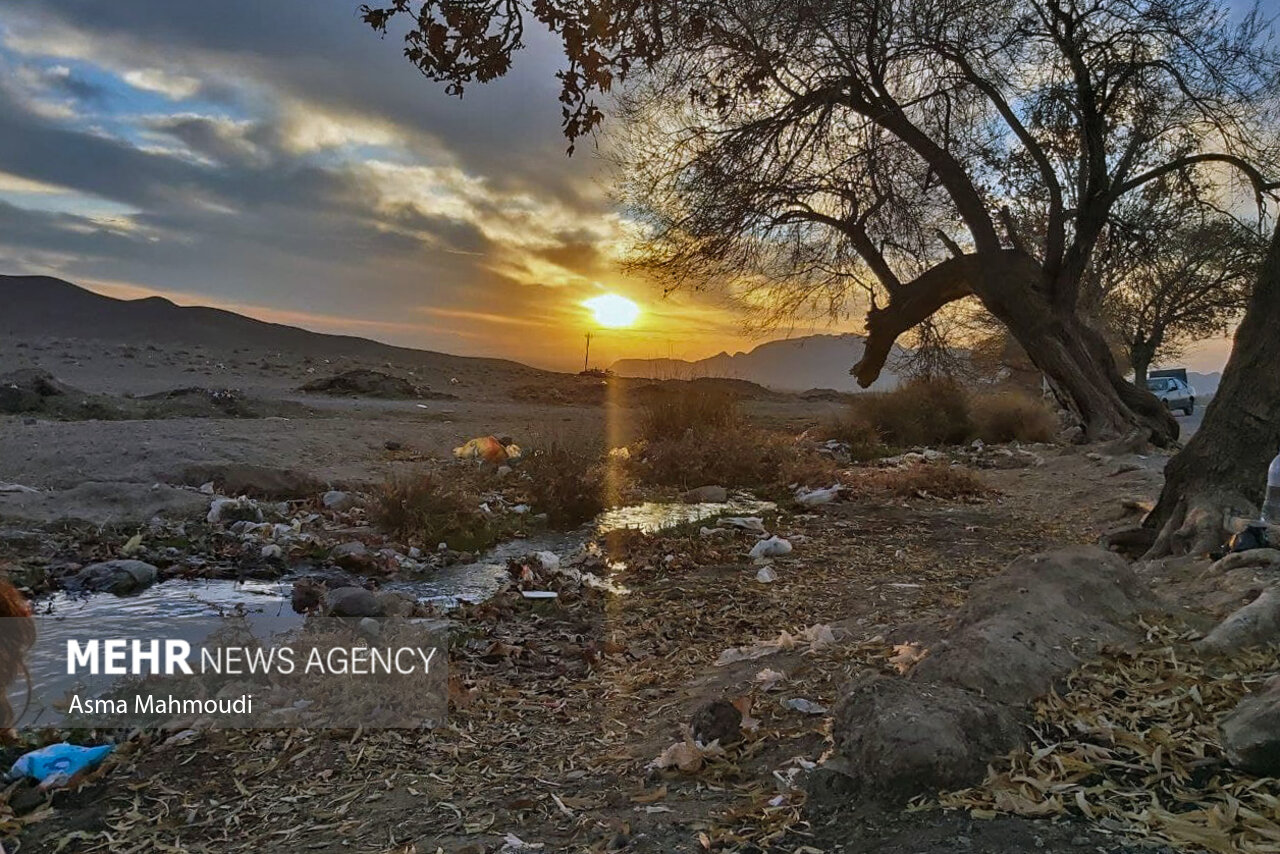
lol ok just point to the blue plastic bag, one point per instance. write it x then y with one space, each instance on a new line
56 764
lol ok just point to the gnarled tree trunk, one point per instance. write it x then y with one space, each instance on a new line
1072 354
1222 470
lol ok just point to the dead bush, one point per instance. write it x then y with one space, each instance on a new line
565 484
937 480
671 413
732 457
862 439
922 412
423 511
1009 415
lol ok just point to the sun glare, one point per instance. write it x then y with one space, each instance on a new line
613 310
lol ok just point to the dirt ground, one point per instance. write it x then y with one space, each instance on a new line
557 712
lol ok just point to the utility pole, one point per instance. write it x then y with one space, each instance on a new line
586 357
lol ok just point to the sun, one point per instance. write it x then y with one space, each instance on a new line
612 310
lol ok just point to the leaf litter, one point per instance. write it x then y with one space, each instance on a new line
1132 745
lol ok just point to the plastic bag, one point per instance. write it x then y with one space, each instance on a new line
56 764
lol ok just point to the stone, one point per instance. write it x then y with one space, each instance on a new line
719 721
706 495
899 737
1251 732
350 555
116 576
352 602
336 499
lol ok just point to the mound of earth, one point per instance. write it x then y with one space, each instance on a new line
31 390
363 382
253 480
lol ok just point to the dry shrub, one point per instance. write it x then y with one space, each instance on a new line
423 511
922 412
940 480
671 413
942 412
732 457
860 437
564 483
1009 415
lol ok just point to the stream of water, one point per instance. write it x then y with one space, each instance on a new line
196 605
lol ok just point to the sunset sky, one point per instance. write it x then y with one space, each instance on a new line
279 159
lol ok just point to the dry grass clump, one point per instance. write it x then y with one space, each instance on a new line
423 510
1009 415
943 412
935 480
732 457
672 413
566 484
860 437
923 412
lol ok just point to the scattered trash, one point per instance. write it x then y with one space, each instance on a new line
539 594
745 523
490 449
56 764
1271 503
132 546
773 547
687 756
808 707
768 678
814 497
706 495
512 843
766 575
816 637
906 656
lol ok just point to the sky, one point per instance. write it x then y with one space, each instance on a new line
282 160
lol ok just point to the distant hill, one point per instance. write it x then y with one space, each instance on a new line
790 364
45 307
1205 384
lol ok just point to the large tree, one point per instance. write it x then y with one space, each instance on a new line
958 114
1221 473
887 139
1169 272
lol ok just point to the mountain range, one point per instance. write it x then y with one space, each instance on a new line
789 364
46 307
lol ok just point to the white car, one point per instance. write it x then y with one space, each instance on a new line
1174 393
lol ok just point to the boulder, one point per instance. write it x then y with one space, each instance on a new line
1255 624
1019 634
899 738
116 576
1024 629
352 602
1251 732
707 495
